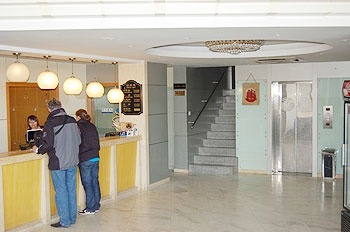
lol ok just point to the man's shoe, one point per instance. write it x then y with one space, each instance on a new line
57 225
85 212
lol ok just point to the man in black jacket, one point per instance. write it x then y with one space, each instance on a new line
61 140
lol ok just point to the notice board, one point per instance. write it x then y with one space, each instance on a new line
132 103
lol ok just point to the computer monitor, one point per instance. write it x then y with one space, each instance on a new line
30 135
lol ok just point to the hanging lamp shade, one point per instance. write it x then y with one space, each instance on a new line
95 89
17 72
47 79
115 95
72 86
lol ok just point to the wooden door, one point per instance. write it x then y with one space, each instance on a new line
23 100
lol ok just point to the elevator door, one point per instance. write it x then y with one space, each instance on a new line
292 127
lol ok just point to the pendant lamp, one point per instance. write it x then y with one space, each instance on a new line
72 85
94 89
17 72
47 79
115 95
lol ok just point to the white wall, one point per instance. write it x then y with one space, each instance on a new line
63 70
294 72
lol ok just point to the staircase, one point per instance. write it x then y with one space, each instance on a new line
217 155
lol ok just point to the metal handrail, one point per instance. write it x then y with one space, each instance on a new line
207 101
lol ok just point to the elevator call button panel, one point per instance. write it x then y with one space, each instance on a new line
328 117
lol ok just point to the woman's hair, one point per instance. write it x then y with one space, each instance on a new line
83 114
34 119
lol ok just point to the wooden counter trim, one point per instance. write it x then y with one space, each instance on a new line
27 155
18 157
115 140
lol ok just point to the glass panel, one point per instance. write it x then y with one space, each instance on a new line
103 113
346 157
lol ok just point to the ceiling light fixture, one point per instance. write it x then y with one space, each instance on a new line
94 89
47 79
234 47
17 72
115 95
72 85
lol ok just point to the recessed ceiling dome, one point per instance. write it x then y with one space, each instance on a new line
270 48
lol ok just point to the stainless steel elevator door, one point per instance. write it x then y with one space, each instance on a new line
292 127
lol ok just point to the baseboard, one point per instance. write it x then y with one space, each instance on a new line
248 171
337 176
181 170
127 193
166 180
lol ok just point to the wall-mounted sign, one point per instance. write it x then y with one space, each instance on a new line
180 86
346 88
179 93
107 110
132 103
251 92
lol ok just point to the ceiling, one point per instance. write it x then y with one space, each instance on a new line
130 31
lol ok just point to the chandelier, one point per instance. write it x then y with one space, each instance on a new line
234 47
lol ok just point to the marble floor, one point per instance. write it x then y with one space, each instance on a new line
247 202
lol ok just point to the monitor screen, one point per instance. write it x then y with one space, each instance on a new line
30 135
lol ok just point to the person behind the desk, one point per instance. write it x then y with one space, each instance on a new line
33 122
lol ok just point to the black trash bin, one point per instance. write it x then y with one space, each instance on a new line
329 163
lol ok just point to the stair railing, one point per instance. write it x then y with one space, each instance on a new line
207 101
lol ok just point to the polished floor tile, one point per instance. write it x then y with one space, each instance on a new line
244 203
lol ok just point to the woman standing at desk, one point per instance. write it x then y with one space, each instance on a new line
89 162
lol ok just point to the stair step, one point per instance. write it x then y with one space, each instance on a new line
209 112
219 143
228 105
227 112
230 99
217 151
221 134
215 160
208 118
225 119
229 92
212 169
223 127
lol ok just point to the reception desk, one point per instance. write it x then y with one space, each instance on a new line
26 190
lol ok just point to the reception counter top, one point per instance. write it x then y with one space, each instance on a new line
26 190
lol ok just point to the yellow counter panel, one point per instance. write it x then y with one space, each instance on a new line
21 188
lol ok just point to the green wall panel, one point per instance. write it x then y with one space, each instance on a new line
251 130
329 93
